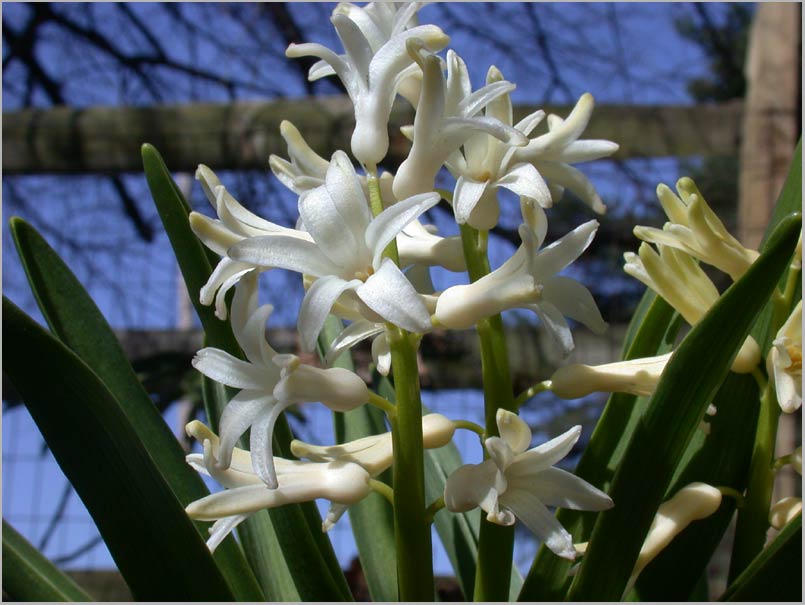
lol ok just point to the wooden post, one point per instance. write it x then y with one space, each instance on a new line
771 128
771 119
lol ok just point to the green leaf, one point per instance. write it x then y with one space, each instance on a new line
309 570
689 382
155 545
776 573
651 332
29 576
75 320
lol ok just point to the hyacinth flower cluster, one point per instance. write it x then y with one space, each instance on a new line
363 254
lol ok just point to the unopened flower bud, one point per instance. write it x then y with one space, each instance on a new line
784 510
337 388
636 376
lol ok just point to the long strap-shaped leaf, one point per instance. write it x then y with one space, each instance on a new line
75 320
29 576
309 569
776 573
689 382
155 545
651 332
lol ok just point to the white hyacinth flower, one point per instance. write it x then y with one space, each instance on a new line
635 376
529 280
343 483
785 361
516 482
234 223
343 246
374 453
488 163
678 278
694 228
268 383
553 153
374 65
416 244
446 118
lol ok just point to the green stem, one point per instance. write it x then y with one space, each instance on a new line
495 543
411 528
545 385
753 518
434 508
382 489
384 404
470 426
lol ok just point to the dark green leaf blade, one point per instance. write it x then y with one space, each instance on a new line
776 573
75 320
155 545
29 576
691 378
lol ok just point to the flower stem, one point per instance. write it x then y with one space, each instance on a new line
753 518
382 489
434 508
496 543
411 528
384 404
545 385
470 426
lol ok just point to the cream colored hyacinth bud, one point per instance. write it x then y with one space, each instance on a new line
693 502
337 388
694 228
636 376
678 278
784 511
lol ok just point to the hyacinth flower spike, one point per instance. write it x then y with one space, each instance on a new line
268 383
374 65
518 483
345 253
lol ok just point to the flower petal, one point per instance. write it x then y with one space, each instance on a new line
227 369
238 415
385 227
316 305
555 323
552 259
389 294
466 195
525 180
222 528
513 430
533 513
573 179
546 455
555 487
261 442
284 252
470 485
350 336
574 301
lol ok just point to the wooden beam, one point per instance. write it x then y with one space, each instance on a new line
242 135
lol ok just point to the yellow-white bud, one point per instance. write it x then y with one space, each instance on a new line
784 510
